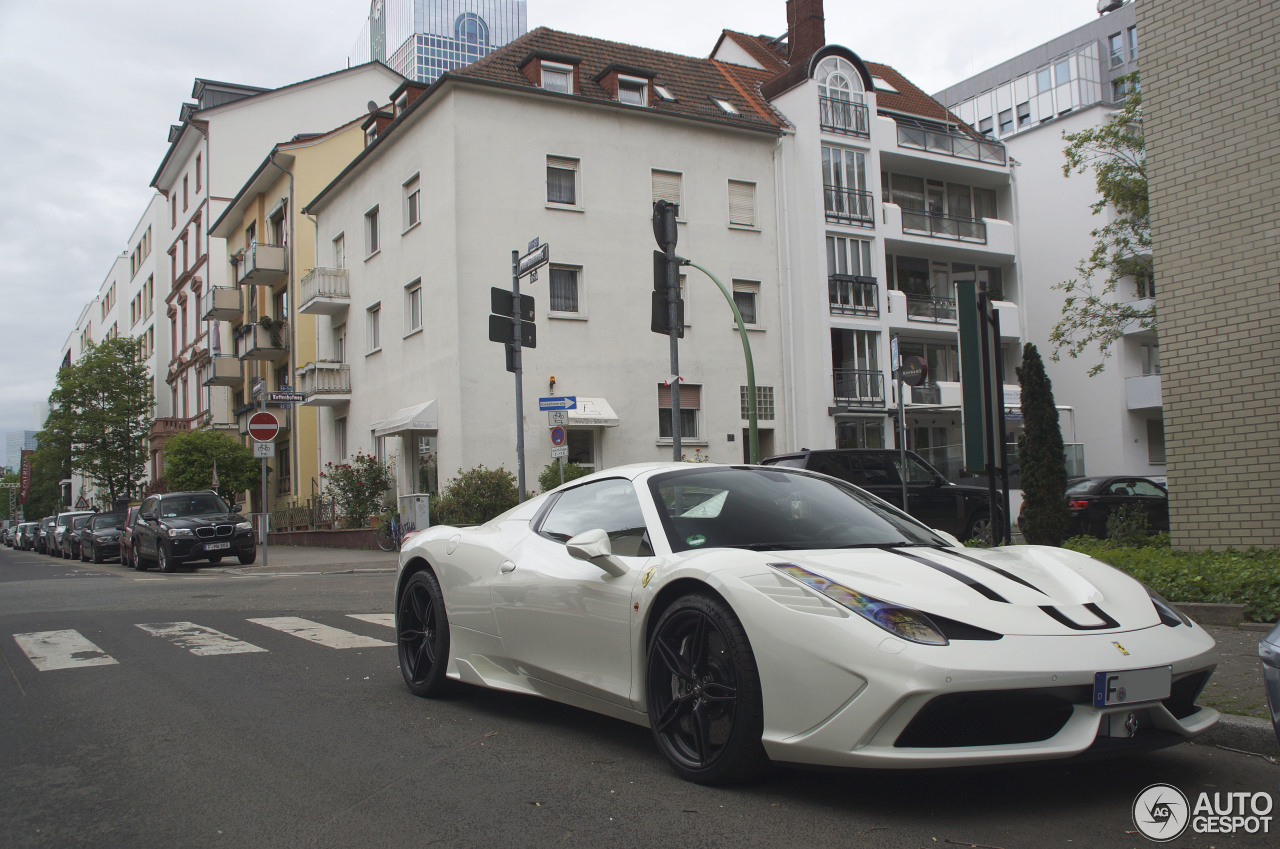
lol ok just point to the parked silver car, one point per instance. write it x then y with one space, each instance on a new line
1269 651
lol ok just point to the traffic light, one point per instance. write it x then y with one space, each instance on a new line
666 272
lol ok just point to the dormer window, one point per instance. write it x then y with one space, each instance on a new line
725 106
402 103
633 90
557 77
663 93
370 134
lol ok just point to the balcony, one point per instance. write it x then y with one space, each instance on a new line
324 384
225 371
325 291
254 342
853 295
858 388
220 303
989 239
261 265
925 312
941 226
849 206
1143 392
842 116
936 138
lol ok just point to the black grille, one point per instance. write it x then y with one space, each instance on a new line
996 718
210 531
954 630
1182 695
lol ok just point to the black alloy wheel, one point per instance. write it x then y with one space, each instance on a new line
422 630
705 707
163 558
95 555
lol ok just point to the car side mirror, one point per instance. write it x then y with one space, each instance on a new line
235 508
939 480
593 546
147 516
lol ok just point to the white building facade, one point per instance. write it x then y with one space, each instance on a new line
1068 85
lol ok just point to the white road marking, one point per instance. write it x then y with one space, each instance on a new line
387 619
61 650
198 639
334 638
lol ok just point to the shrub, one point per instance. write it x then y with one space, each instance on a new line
358 488
1129 525
1044 471
475 497
550 477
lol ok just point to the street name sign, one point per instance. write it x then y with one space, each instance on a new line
558 451
286 397
534 259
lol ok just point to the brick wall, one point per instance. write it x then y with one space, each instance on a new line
1211 99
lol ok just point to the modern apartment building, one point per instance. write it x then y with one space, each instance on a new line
15 442
215 148
771 148
1210 113
421 39
1112 421
272 249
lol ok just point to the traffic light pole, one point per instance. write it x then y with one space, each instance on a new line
519 369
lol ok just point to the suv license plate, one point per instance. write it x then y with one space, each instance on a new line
1132 685
217 546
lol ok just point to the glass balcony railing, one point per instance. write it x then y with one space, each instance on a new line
938 139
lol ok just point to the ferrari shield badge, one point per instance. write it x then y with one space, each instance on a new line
648 574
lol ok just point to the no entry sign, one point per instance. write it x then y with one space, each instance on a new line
263 426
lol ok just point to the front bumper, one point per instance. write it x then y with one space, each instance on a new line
183 549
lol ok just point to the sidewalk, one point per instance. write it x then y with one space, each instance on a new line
1236 685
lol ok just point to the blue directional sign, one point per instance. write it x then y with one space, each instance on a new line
568 402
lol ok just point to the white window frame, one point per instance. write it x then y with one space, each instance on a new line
565 163
413 308
340 437
555 70
668 186
412 203
638 86
340 250
748 288
742 204
695 438
725 106
373 328
371 243
580 312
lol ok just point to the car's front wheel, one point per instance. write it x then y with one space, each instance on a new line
163 559
422 630
95 555
247 558
705 707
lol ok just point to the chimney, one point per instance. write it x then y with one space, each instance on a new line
806 30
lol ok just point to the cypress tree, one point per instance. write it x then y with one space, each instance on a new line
1040 452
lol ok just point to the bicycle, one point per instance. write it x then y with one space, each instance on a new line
391 534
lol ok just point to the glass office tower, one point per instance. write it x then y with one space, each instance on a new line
422 39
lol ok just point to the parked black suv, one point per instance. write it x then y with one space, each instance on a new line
955 508
177 527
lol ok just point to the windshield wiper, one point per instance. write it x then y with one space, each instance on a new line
890 545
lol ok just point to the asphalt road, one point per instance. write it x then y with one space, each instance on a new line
171 736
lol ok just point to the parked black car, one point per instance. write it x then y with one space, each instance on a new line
1092 500
44 535
59 543
99 538
178 527
71 537
955 508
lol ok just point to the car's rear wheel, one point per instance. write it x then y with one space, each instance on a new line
139 563
422 631
215 558
163 558
705 707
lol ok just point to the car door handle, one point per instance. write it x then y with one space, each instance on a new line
507 566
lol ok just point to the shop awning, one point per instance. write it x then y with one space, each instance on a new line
418 417
592 412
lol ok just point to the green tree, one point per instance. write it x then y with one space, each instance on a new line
189 460
1096 312
104 403
1044 468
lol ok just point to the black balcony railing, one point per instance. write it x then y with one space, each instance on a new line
944 226
855 387
929 308
842 116
853 295
848 206
938 139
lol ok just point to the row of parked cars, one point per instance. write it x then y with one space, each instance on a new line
164 530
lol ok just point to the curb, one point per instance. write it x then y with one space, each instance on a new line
1245 733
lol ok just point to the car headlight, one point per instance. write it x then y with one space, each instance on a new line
180 533
244 526
1169 615
904 622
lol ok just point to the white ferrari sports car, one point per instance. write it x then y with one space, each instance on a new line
749 614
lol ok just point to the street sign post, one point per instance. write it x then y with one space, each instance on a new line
264 450
535 258
567 402
557 418
558 451
557 436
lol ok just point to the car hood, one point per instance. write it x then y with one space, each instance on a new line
202 521
1026 590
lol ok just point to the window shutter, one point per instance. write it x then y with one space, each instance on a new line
690 396
742 203
666 186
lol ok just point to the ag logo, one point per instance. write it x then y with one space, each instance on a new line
1161 813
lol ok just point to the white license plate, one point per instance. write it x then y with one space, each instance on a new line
217 546
1132 685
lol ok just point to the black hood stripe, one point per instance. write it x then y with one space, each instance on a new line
996 569
947 570
1107 621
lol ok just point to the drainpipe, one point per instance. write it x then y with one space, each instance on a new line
786 289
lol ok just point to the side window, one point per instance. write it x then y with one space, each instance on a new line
916 473
151 505
830 464
1148 489
610 505
873 470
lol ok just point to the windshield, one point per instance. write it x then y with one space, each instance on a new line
776 509
107 520
1082 486
199 504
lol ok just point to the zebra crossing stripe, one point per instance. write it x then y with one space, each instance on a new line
387 619
198 639
334 638
50 650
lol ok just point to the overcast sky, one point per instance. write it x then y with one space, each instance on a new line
88 90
